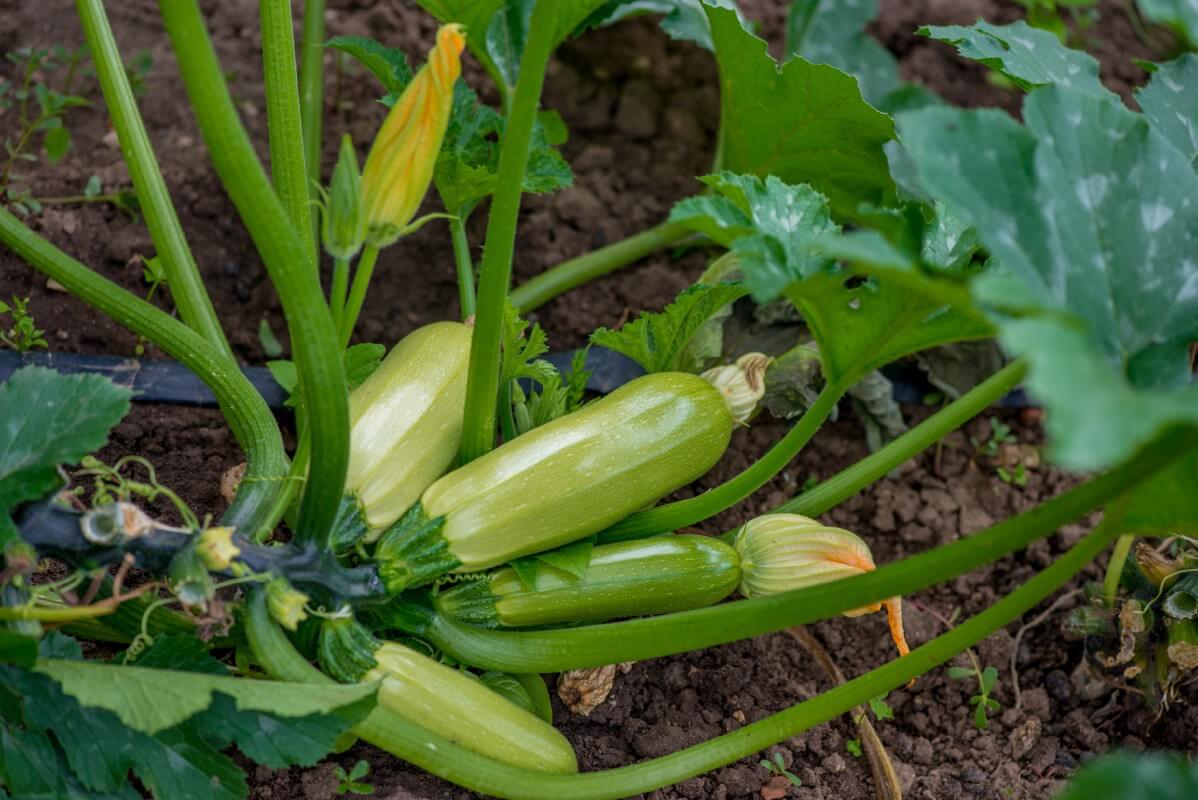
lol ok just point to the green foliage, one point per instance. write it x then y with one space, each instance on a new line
777 766
657 341
41 109
388 64
1029 57
51 419
801 122
23 335
768 225
853 746
1180 15
361 360
881 708
1170 103
554 398
137 70
683 20
1000 434
271 346
572 559
351 782
830 32
1094 247
55 746
986 680
1134 776
1049 15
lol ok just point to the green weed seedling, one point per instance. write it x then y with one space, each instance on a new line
777 766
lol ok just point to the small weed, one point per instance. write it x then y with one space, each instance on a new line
155 276
853 746
1000 434
24 335
351 782
1050 15
777 766
1016 476
986 680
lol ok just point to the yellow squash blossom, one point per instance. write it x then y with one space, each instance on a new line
400 165
782 552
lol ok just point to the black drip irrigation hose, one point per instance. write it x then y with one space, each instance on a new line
164 381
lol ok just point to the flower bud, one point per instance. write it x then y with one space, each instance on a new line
189 578
783 552
400 165
216 549
742 384
343 225
285 603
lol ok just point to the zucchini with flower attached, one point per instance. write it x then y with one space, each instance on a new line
650 576
405 427
565 480
442 699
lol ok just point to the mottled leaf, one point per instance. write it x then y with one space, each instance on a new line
767 224
1028 56
1096 227
684 20
833 32
801 122
1170 102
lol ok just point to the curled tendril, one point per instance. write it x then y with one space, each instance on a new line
111 485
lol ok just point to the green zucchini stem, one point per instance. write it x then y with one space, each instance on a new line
835 490
187 287
248 416
357 294
539 290
289 262
338 289
288 168
311 88
478 435
464 264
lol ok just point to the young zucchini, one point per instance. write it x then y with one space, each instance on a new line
406 422
463 709
565 480
649 576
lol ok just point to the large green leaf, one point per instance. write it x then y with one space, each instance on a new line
768 224
388 64
684 20
658 340
1093 217
47 419
861 325
474 14
801 122
1026 55
151 700
833 32
1135 776
1180 15
1170 102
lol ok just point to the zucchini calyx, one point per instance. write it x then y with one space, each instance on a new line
349 526
470 602
413 552
346 649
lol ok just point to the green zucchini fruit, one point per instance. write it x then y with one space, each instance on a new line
462 708
562 481
406 422
647 576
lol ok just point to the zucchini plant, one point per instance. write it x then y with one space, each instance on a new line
457 518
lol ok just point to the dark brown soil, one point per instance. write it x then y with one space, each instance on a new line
642 112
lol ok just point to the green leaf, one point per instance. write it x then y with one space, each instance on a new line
93 187
271 346
50 419
768 225
178 651
17 649
960 673
1165 505
1027 56
521 352
683 20
510 689
505 36
801 122
830 32
388 64
468 164
949 243
657 340
573 559
1096 230
152 700
361 360
1135 776
1180 15
58 142
1170 102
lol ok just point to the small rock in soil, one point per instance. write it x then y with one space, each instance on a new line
739 780
1024 738
636 112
